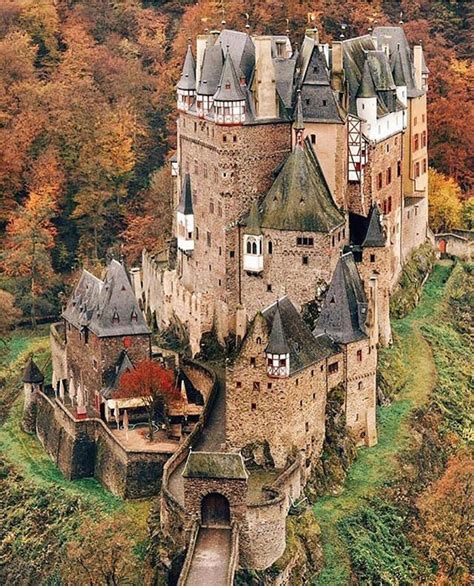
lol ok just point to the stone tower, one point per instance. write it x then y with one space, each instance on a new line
33 380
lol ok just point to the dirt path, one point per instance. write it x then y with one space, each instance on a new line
376 465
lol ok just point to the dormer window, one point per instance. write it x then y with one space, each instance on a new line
134 316
115 317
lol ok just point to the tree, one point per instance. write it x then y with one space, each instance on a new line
445 529
9 315
154 385
101 554
444 202
27 250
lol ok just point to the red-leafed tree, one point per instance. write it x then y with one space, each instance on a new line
154 385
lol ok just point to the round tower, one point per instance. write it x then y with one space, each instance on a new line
33 380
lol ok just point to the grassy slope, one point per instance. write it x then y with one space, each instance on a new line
376 465
25 455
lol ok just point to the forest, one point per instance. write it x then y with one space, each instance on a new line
88 121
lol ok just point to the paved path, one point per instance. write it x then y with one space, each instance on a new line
210 558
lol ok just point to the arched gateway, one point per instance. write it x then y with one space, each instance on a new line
215 510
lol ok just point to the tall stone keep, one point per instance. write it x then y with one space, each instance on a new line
33 380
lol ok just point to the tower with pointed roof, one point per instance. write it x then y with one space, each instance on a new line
33 380
185 217
186 88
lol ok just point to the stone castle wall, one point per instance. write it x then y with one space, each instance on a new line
414 225
288 413
86 448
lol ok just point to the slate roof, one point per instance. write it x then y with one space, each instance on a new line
241 49
185 205
394 37
107 308
290 329
375 235
211 70
31 373
318 99
298 115
229 85
366 87
284 73
112 377
187 80
299 198
397 69
215 465
344 310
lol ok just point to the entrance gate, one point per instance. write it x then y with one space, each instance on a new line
215 511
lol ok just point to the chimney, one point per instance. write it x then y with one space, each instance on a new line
337 70
313 33
265 86
201 44
418 65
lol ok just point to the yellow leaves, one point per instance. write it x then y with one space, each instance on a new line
444 202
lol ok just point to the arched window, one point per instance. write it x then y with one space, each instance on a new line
249 247
254 247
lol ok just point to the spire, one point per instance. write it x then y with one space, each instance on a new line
366 87
188 75
31 373
186 200
277 343
229 89
253 221
397 70
375 235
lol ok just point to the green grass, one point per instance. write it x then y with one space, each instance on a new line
377 465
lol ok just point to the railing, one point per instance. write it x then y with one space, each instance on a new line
189 555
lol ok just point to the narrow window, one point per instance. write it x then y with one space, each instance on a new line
256 386
254 406
379 181
269 287
269 386
372 258
305 260
224 138
270 247
389 175
232 253
359 386
359 355
306 425
313 139
252 361
399 168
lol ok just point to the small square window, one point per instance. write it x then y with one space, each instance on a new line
253 361
313 139
254 406
305 260
232 253
238 384
234 138
224 138
372 258
269 287
269 386
256 386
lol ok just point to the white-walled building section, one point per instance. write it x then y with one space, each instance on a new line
185 223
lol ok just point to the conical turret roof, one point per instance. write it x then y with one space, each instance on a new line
31 373
229 89
188 75
253 221
185 205
299 198
366 87
397 70
277 343
375 235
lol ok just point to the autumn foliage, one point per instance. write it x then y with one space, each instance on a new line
154 385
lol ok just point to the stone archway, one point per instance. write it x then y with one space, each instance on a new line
215 510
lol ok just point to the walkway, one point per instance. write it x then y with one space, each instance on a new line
376 465
211 440
211 556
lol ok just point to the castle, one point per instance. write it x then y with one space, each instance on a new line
300 189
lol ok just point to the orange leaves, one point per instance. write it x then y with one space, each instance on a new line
150 381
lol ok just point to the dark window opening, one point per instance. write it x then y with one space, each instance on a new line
256 386
372 258
305 260
334 367
252 361
269 287
254 406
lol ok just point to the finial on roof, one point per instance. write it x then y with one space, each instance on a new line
247 18
298 124
287 26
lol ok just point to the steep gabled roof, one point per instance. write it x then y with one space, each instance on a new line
107 308
185 205
211 70
299 198
366 87
375 235
229 85
241 49
187 80
344 311
298 123
397 69
31 373
291 332
318 99
394 37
